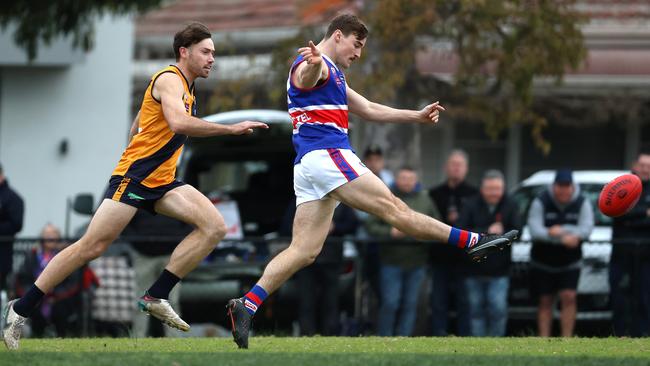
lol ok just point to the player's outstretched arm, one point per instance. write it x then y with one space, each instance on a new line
376 112
313 69
169 90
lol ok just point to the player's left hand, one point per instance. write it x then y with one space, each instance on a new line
246 127
431 113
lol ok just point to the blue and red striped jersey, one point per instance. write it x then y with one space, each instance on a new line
319 114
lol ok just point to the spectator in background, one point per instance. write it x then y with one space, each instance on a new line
63 306
486 283
403 260
155 238
318 284
448 198
629 270
373 158
560 219
11 222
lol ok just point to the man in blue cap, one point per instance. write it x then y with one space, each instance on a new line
559 219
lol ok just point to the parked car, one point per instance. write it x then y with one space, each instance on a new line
593 286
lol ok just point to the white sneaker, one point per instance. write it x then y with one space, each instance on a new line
12 326
162 310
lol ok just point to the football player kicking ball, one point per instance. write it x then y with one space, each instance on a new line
326 170
145 179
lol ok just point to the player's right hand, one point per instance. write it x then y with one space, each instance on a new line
246 127
311 54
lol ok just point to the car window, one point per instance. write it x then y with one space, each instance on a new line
230 176
523 197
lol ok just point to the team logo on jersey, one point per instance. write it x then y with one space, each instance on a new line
187 101
249 304
336 76
473 240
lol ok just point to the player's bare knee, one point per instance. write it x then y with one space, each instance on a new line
396 211
309 258
214 232
93 248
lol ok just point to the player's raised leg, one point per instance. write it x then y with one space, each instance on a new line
107 223
310 227
187 204
368 193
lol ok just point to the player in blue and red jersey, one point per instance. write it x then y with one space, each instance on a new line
327 171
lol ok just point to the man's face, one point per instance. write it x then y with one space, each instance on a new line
348 48
51 238
200 57
375 163
406 181
642 167
492 190
563 192
456 168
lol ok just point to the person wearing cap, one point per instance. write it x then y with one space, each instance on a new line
560 219
373 157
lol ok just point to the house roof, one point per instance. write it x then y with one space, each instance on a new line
233 15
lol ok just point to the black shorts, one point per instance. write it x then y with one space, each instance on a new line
126 190
550 283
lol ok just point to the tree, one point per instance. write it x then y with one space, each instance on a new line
45 20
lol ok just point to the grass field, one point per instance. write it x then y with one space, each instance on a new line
271 351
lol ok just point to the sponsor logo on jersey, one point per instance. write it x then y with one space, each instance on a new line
134 196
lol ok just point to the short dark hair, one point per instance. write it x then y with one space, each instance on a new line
347 24
193 33
373 150
408 168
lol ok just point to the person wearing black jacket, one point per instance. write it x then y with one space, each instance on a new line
318 284
629 270
486 283
449 198
11 222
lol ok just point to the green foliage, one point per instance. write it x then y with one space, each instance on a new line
44 20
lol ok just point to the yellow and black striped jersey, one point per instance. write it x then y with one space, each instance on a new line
152 154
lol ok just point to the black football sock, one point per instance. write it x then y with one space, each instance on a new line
163 285
26 305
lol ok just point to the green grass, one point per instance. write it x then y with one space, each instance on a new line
368 351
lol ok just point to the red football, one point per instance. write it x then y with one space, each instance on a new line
620 195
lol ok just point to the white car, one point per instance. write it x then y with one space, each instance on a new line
593 286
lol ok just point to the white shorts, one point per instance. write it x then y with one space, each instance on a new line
322 171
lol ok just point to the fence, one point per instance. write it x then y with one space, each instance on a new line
237 264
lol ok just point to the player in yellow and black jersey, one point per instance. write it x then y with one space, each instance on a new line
145 178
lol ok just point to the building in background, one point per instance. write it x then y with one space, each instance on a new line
64 118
